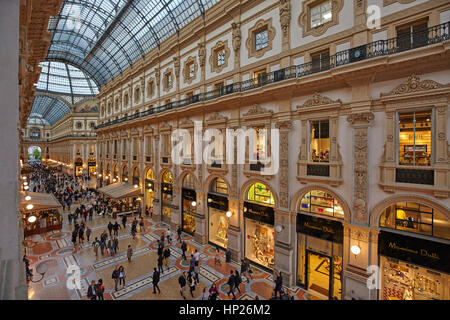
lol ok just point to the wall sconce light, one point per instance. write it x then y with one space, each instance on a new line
26 188
229 214
100 175
136 186
355 249
279 228
194 203
29 206
32 219
27 198
209 200
25 183
126 179
24 177
114 180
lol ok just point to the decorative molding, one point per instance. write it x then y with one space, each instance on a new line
250 43
220 45
176 63
360 118
304 20
158 76
285 18
201 54
150 88
216 116
414 84
167 73
389 2
258 110
186 123
318 100
186 71
360 173
236 36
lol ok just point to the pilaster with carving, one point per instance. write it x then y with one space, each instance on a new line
285 21
236 43
284 128
360 123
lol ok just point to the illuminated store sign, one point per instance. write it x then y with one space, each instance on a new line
329 230
259 213
434 255
189 194
217 202
166 188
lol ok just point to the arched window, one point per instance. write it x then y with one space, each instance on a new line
136 176
259 192
189 181
167 177
150 175
218 185
125 174
321 202
417 218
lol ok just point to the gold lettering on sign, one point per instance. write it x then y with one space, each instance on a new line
425 253
393 245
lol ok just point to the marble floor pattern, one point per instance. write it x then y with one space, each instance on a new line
57 251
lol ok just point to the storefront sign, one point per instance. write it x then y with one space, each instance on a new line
189 194
259 213
329 230
92 163
217 202
78 163
434 255
166 188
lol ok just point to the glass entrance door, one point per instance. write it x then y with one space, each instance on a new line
318 273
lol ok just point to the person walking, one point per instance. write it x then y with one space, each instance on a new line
196 257
129 252
196 273
102 246
205 294
69 216
245 269
100 289
179 233
160 264
133 231
155 280
116 245
191 281
110 228
91 292
115 277
182 282
141 225
160 249
166 254
184 249
213 292
88 233
237 280
278 283
81 234
116 228
124 221
96 245
111 246
217 257
169 236
191 263
231 282
122 276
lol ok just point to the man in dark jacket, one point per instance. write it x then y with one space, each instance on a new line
91 292
278 283
179 233
166 255
124 221
182 282
160 263
110 228
184 249
155 280
116 227
115 276
231 282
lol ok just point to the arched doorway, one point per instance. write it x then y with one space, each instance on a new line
189 204
92 166
149 189
78 166
320 242
135 179
414 251
34 154
217 212
125 174
107 175
259 219
166 196
115 173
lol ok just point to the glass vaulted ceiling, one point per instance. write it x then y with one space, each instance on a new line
104 37
51 109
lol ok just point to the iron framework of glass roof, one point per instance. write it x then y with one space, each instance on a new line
62 78
104 37
48 108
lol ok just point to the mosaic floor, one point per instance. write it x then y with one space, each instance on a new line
57 251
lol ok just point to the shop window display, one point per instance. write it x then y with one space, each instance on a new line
414 138
403 281
258 192
417 218
320 202
218 227
259 245
44 221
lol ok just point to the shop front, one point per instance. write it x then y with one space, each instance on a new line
259 218
125 174
149 189
188 197
115 176
166 196
78 164
319 255
218 219
92 166
414 253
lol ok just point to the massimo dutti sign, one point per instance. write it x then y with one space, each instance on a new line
258 212
217 202
431 254
329 230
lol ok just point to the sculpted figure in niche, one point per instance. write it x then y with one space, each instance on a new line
236 36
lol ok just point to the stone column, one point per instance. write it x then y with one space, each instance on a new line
175 210
234 229
200 219
157 200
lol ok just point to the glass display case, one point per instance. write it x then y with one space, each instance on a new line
259 246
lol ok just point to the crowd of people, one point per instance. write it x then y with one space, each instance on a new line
70 191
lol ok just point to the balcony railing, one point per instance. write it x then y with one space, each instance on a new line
371 50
